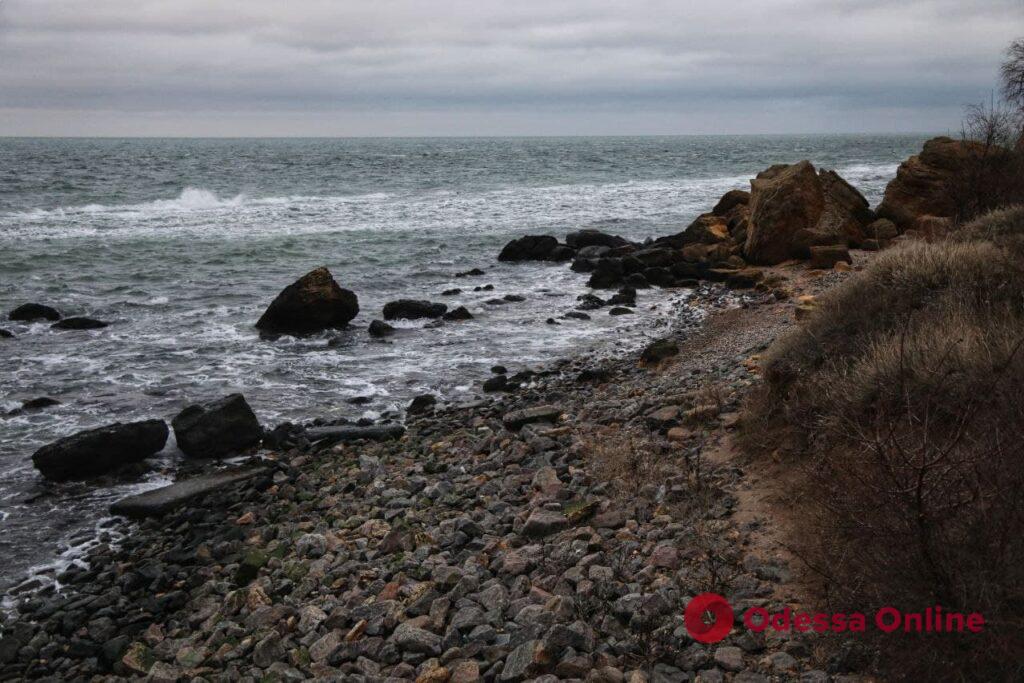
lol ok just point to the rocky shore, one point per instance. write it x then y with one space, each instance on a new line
553 533
555 530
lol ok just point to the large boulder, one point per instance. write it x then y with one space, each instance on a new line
313 303
922 183
96 451
413 309
30 312
217 429
529 248
784 201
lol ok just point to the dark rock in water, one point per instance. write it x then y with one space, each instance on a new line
637 281
379 329
577 315
604 280
620 310
659 350
460 313
551 321
40 403
451 292
496 383
421 404
284 435
517 419
659 276
370 433
217 429
495 302
484 288
583 265
470 273
561 253
360 400
29 312
625 297
162 500
590 302
5 334
529 248
79 323
593 252
593 238
499 369
96 451
313 303
514 298
413 309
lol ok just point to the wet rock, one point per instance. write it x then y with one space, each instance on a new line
40 403
620 310
517 419
424 403
529 248
162 500
380 329
32 312
95 451
79 323
6 334
460 313
313 303
582 239
498 383
413 309
473 272
590 302
217 429
660 350
451 292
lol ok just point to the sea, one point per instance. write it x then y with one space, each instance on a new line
180 244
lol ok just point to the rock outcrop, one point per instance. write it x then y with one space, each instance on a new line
794 208
217 429
784 202
922 183
313 303
97 451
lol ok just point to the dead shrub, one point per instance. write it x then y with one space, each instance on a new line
990 176
902 399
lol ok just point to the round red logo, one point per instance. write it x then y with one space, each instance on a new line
708 618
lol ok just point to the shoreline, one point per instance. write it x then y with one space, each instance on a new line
550 474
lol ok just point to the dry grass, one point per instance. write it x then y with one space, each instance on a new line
902 402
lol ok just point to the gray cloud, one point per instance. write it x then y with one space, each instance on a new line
481 67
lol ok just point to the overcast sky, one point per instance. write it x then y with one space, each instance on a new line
478 67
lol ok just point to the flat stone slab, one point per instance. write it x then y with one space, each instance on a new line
159 501
517 419
381 433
